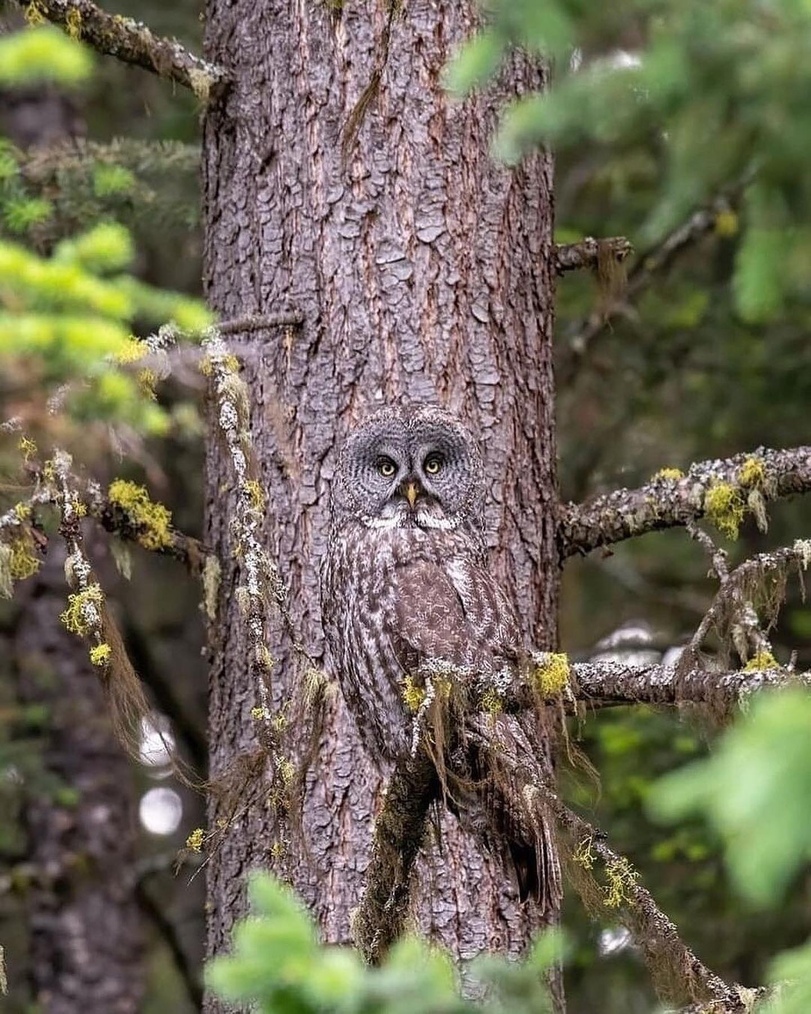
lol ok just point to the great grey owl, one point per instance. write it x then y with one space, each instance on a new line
412 614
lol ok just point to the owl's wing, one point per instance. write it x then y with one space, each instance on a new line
455 612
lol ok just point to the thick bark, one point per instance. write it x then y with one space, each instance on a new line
423 271
85 921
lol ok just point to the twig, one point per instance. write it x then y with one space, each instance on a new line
130 41
647 266
669 502
589 251
733 601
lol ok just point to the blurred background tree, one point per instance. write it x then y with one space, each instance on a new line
681 125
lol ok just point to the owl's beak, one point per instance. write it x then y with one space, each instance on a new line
410 490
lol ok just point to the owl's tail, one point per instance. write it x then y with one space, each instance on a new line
500 807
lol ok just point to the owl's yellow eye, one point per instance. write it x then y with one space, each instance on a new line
386 467
433 464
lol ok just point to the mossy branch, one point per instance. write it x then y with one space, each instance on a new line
398 834
678 974
130 41
668 501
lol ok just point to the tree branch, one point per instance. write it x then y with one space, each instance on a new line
132 42
647 266
668 502
676 971
605 683
398 835
589 253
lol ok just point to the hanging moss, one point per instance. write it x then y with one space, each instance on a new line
153 520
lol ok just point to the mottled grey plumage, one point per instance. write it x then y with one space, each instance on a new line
406 592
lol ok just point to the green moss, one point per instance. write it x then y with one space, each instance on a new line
551 674
761 660
725 508
669 474
152 520
752 474
412 694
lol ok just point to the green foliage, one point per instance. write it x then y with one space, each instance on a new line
43 54
715 92
755 790
304 977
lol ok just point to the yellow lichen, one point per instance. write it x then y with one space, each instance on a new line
132 352
669 474
27 447
761 660
412 694
195 840
147 381
724 507
255 493
23 511
287 771
79 508
492 702
264 659
100 654
34 14
621 877
82 614
278 849
584 855
726 223
73 24
752 474
551 674
206 366
211 585
23 561
260 714
152 519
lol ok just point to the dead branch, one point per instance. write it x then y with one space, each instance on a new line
589 252
650 264
132 42
666 502
733 609
398 835
602 684
678 973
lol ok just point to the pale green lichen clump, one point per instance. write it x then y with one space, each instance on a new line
725 508
101 654
412 694
669 474
83 614
761 660
551 673
152 519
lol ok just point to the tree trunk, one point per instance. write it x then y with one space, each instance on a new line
85 924
422 268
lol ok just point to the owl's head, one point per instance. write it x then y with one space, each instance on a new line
419 468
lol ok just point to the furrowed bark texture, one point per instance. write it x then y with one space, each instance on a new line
423 271
85 922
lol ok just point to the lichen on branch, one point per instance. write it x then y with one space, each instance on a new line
129 41
746 483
